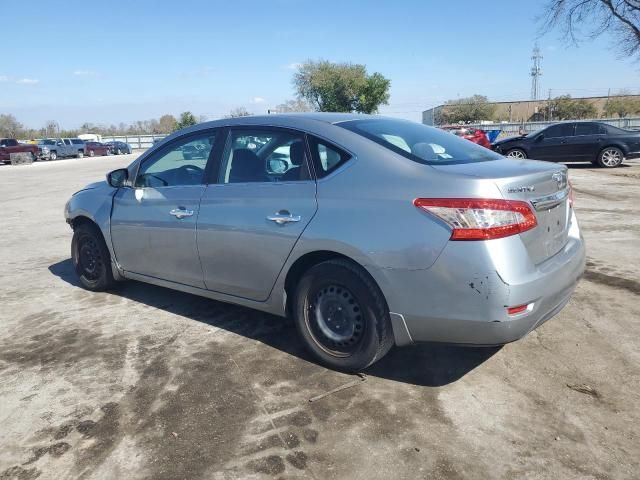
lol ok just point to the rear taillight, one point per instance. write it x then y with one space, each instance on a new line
480 219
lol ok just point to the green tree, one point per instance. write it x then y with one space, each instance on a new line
186 120
622 106
341 87
468 109
566 108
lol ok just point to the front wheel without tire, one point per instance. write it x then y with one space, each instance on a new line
53 156
517 154
91 258
342 316
610 157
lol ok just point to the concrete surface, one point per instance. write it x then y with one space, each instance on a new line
144 382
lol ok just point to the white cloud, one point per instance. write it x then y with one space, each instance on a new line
83 73
258 100
4 78
28 81
293 66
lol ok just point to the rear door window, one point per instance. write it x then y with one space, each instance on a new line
587 129
264 155
560 130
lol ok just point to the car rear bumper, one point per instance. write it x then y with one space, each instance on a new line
463 298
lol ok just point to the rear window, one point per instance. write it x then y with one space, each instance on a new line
587 129
420 143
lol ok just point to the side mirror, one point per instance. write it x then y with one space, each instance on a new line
277 165
118 178
540 137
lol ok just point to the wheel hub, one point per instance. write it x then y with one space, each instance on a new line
338 317
89 259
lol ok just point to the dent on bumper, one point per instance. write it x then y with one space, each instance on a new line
479 316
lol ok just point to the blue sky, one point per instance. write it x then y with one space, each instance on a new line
120 61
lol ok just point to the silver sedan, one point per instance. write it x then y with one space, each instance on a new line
367 231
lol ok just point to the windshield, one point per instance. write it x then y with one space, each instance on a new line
420 143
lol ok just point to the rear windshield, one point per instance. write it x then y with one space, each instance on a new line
420 143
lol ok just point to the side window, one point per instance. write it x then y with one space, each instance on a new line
327 157
587 129
67 141
264 156
560 130
180 163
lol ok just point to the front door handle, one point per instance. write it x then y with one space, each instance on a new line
181 213
283 217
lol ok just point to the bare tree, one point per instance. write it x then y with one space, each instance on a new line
9 126
238 112
621 18
298 105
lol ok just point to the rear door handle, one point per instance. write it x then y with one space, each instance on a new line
181 213
283 217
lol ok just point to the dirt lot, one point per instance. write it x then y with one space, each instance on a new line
144 382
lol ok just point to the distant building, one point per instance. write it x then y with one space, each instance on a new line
517 111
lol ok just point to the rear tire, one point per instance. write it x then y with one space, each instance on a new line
342 316
53 156
80 154
516 153
610 157
91 258
118 152
91 153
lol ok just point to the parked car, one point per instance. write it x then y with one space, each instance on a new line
595 142
119 148
96 148
474 135
11 145
373 231
52 149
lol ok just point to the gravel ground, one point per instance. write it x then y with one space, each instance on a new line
144 382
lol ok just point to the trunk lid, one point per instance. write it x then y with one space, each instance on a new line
544 185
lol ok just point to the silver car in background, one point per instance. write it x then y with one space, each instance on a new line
368 231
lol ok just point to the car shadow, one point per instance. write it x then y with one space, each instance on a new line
431 365
591 166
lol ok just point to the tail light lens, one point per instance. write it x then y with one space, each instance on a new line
480 219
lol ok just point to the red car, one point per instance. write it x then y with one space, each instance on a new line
474 135
96 148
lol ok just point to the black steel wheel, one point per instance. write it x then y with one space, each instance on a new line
91 258
342 315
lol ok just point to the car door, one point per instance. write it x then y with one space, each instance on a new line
259 202
67 147
551 144
587 141
153 223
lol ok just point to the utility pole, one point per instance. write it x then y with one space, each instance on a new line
536 73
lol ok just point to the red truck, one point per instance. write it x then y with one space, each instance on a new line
11 145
